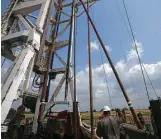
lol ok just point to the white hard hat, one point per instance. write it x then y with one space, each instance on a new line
106 108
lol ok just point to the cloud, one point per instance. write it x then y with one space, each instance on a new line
108 48
131 77
100 91
95 46
132 53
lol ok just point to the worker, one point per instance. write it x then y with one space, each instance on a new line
141 118
145 124
108 127
120 115
102 116
104 113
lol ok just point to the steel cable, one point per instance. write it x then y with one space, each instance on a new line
137 52
130 36
108 90
132 41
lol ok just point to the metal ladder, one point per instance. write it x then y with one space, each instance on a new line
7 13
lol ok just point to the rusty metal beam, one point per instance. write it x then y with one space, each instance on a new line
46 75
58 45
58 70
90 75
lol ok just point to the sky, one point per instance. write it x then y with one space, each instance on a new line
109 18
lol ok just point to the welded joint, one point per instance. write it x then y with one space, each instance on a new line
23 20
34 39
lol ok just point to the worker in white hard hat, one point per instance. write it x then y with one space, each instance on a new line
108 127
106 111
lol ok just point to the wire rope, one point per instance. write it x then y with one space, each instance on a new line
108 90
134 41
136 49
130 36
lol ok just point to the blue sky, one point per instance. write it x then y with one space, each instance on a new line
145 19
109 20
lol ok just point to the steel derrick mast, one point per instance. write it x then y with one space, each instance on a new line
21 28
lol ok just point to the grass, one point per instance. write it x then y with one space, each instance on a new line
86 115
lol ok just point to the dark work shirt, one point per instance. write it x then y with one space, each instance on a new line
109 128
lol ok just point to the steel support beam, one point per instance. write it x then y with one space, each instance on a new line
23 20
55 93
58 45
28 76
27 7
59 57
79 3
58 70
43 15
9 89
31 40
17 36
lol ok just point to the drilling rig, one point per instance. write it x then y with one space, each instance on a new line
32 33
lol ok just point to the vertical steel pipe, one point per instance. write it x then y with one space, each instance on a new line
46 75
90 75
